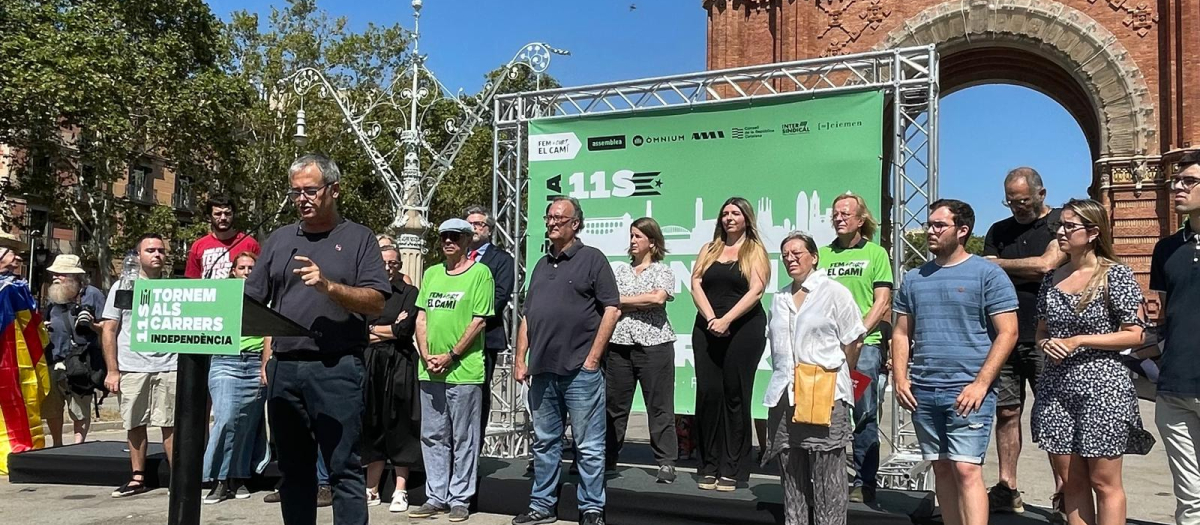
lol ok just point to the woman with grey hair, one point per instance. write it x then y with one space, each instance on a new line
815 333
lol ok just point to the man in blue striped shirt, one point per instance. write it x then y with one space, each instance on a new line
956 317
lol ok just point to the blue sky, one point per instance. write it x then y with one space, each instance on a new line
985 131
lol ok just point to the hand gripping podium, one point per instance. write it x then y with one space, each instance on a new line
190 407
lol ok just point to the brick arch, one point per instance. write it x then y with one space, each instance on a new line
1050 47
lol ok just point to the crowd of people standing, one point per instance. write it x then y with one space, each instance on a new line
400 374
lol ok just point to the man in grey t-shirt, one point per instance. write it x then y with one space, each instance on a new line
144 383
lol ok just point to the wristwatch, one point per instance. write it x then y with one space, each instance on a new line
455 357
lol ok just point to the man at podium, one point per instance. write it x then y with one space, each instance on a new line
325 273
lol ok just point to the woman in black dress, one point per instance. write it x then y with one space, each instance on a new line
392 418
728 340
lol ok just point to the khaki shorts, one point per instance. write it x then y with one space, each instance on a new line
147 399
78 407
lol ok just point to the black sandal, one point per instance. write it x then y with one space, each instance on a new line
132 487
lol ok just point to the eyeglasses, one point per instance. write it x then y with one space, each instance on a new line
1067 226
556 219
1018 202
393 264
842 215
307 192
478 224
1188 183
938 226
794 256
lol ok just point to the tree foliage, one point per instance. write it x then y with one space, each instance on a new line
98 86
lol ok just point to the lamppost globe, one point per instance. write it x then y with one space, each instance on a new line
416 4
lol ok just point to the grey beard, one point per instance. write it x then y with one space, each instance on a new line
64 292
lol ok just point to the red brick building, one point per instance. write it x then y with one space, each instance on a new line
1127 70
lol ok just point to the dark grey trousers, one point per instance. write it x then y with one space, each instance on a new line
654 368
814 486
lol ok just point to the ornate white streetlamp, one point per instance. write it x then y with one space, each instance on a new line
412 191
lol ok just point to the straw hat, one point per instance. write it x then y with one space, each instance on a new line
10 241
66 264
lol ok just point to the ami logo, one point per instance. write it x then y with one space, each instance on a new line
707 135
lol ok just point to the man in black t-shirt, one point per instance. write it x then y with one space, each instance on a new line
326 274
1024 245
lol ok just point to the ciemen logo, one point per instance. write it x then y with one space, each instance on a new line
609 142
707 135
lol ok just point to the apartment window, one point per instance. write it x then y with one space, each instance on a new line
183 193
138 184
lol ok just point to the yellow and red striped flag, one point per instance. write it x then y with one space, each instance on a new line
24 374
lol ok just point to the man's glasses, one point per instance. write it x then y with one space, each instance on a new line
1187 183
556 219
1016 202
393 264
478 224
937 226
295 193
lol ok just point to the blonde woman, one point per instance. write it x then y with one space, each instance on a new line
1086 412
728 340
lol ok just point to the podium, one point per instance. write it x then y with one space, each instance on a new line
191 414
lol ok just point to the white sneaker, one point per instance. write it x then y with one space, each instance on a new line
399 501
373 498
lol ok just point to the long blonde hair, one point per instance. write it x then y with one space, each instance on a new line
1093 215
752 255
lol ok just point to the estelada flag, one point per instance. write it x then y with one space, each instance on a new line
24 374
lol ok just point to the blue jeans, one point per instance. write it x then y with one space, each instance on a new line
945 435
866 420
551 398
237 442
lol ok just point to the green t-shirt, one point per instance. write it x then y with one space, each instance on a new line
450 303
251 344
861 268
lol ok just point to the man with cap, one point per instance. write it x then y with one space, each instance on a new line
73 307
454 303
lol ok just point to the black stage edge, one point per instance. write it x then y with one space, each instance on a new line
633 496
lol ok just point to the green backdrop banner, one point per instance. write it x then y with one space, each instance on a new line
187 316
788 158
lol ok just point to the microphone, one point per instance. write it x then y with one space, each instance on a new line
213 267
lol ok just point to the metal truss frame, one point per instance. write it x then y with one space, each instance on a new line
908 78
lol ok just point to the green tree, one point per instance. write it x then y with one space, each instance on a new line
98 86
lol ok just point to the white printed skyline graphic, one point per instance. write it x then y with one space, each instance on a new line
611 234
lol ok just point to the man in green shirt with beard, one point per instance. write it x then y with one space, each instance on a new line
455 301
863 267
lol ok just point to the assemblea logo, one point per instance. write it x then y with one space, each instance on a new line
608 142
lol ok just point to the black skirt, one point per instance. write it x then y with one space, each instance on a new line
392 419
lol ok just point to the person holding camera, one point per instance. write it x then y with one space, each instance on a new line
76 357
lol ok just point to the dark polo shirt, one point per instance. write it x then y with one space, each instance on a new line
1009 239
1175 271
567 295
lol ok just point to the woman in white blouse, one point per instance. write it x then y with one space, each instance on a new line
816 326
642 349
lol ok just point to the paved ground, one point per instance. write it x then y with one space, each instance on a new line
1147 483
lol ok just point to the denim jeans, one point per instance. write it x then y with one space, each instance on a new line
237 442
318 405
450 442
551 398
945 435
866 420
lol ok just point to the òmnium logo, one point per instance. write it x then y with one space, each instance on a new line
795 128
708 135
639 140
606 143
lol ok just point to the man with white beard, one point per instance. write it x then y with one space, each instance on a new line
72 311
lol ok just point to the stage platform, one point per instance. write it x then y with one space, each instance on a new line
633 495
